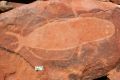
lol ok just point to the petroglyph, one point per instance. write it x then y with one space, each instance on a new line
63 37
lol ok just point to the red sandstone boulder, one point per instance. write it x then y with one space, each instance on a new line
67 46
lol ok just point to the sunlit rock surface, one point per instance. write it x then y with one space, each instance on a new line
78 40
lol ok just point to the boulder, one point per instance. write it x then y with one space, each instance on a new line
69 42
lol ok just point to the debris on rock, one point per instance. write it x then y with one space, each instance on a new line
4 6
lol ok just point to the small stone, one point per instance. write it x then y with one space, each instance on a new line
39 68
4 6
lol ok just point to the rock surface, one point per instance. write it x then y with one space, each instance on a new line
71 42
14 67
114 75
116 1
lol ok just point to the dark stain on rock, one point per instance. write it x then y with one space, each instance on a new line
95 10
107 48
73 77
94 70
88 51
65 63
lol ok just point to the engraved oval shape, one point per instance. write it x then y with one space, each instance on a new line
59 40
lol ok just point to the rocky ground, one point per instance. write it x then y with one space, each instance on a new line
60 40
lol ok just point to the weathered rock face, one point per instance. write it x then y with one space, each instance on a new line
114 74
87 5
116 1
70 42
14 67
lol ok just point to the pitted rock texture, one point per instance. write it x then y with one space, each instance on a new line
14 67
6 6
70 42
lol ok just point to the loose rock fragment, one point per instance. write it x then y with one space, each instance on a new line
114 74
4 6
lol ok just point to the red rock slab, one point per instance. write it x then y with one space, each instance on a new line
96 58
81 65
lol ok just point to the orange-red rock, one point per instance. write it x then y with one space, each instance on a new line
115 73
15 67
86 5
69 46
